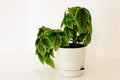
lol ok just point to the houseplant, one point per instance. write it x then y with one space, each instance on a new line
75 34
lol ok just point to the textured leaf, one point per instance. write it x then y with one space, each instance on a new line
87 39
69 16
63 34
83 19
37 42
36 51
81 37
57 43
50 62
73 10
63 21
52 37
78 19
65 42
51 52
41 48
46 42
55 39
41 58
69 32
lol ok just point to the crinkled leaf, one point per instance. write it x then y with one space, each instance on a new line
51 52
73 9
52 37
41 58
37 42
46 42
41 48
65 42
83 20
63 21
81 37
50 62
69 32
63 34
87 39
43 31
57 43
78 20
36 52
69 20
55 39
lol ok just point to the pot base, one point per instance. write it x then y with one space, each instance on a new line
71 73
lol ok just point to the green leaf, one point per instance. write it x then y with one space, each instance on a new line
81 37
73 9
57 43
69 20
87 39
78 19
41 48
50 62
55 39
83 20
63 21
36 51
69 32
69 16
41 58
51 52
52 37
46 42
65 42
37 42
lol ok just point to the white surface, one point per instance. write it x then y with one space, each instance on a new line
27 67
19 20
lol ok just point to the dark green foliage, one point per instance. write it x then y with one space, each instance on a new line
77 27
77 24
47 41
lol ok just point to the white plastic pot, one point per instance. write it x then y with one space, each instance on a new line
71 61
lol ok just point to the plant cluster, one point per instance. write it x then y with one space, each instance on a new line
77 30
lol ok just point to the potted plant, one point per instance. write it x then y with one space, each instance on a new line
70 42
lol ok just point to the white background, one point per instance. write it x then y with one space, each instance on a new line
20 19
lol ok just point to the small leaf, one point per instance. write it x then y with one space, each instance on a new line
73 10
51 52
41 48
69 32
41 31
46 42
87 39
65 42
37 42
36 51
63 21
52 37
63 34
41 58
50 62
57 43
81 37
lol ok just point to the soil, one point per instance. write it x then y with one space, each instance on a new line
71 45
